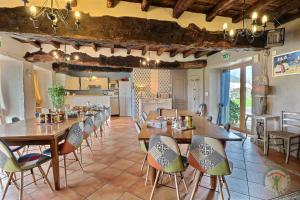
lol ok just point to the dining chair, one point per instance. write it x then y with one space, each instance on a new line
168 112
99 119
207 156
72 142
107 114
209 118
12 165
289 135
88 130
144 148
144 116
164 156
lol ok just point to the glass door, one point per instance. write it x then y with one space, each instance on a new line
235 97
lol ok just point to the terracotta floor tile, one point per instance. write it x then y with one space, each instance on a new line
125 180
122 164
129 196
107 192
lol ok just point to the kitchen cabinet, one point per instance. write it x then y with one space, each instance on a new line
68 82
114 104
87 82
125 98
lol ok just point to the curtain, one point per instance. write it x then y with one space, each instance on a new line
38 98
2 101
224 98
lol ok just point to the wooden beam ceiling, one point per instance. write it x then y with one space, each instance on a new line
65 68
145 5
55 44
181 6
113 61
220 7
110 3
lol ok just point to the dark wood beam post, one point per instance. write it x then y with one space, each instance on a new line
145 5
55 44
189 52
145 50
160 51
200 54
174 52
181 6
219 8
112 49
95 47
128 50
110 3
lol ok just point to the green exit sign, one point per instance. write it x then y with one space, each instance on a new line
225 56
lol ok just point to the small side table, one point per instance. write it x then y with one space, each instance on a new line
265 118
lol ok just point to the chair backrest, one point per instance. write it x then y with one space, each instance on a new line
168 112
99 119
164 154
227 127
15 119
8 161
88 126
144 116
208 156
209 118
74 138
143 145
290 121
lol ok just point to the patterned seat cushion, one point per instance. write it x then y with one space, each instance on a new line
32 160
15 148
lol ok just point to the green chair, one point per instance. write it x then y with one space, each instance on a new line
11 165
164 156
207 155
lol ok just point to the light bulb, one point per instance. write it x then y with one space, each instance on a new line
54 53
33 11
254 16
225 26
77 15
94 77
231 33
56 56
68 58
148 59
254 29
144 62
157 61
264 19
76 57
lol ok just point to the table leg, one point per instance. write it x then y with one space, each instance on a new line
152 174
213 182
265 137
55 163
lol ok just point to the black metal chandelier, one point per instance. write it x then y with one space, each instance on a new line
257 28
51 10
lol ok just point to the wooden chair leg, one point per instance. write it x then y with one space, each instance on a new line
14 178
197 179
45 177
65 168
176 184
155 183
298 152
50 165
33 176
268 144
144 161
183 181
7 184
76 157
288 151
21 186
226 185
220 187
88 144
147 174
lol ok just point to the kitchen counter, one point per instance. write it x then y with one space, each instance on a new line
77 100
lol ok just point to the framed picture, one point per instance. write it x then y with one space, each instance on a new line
286 64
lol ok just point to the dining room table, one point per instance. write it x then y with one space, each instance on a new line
31 132
201 126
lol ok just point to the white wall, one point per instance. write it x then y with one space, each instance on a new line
45 79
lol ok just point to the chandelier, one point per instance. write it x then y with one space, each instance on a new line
258 28
51 10
147 62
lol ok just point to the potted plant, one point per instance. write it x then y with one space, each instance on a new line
57 95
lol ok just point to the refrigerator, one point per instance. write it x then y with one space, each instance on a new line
125 98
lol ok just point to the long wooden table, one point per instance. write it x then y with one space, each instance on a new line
29 132
202 127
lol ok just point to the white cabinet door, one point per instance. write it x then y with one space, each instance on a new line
125 98
179 89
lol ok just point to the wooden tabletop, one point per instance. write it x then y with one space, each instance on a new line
30 129
203 128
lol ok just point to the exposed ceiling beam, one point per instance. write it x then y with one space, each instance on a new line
110 3
290 6
112 49
259 5
36 44
181 6
55 44
289 18
128 50
145 49
123 32
145 5
113 61
75 45
95 47
189 52
219 8
174 52
160 51
200 54
67 68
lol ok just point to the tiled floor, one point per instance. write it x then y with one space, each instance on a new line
113 172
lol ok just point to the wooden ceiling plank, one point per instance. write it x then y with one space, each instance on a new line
280 12
181 6
110 3
259 5
220 7
145 5
65 68
200 54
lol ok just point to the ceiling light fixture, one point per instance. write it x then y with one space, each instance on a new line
53 13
